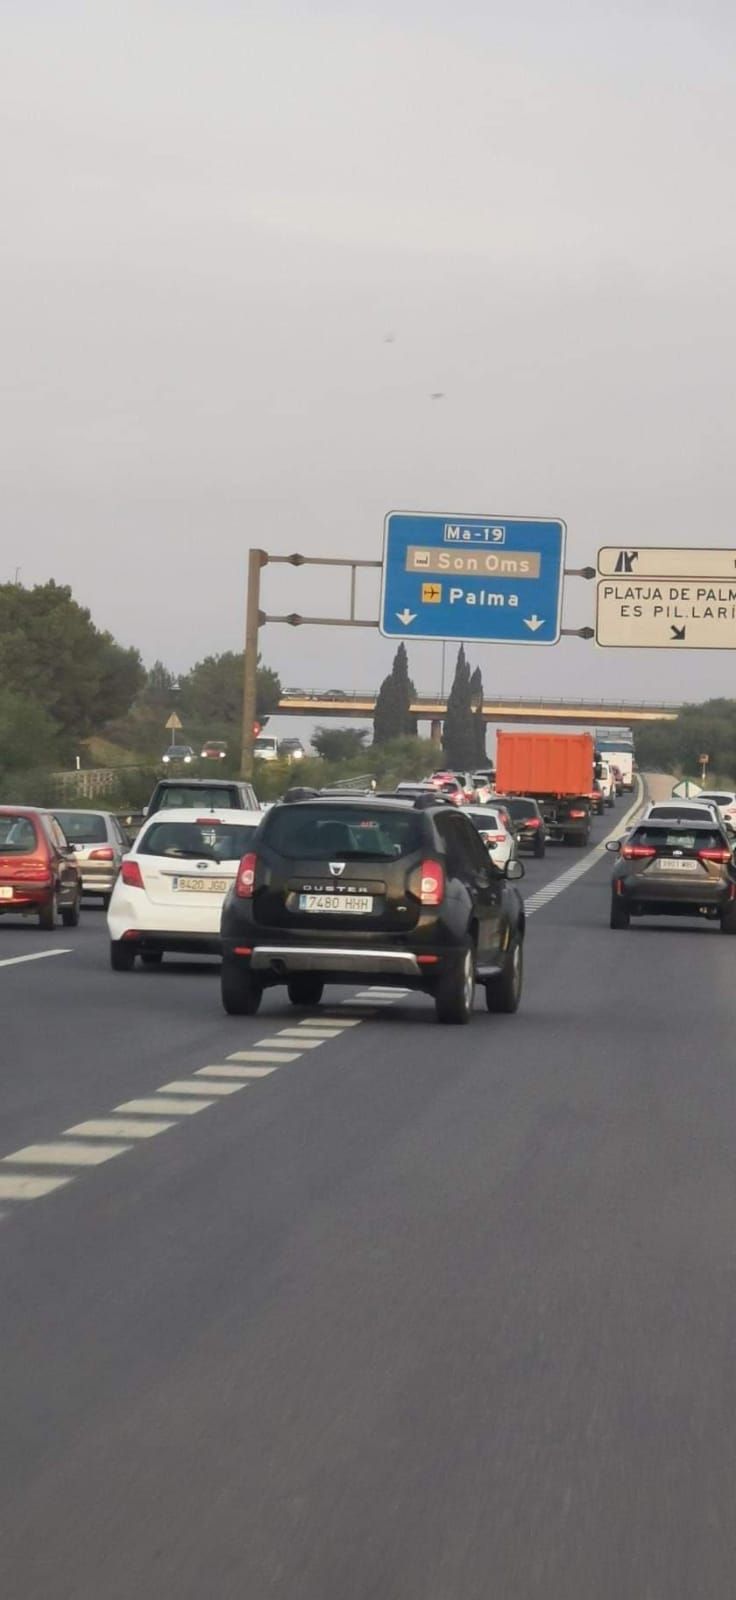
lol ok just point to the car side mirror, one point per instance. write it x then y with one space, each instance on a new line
614 845
515 870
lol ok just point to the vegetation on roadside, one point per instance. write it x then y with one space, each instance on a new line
708 729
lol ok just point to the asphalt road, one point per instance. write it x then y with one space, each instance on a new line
423 1314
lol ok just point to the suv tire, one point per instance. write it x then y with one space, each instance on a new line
620 915
503 993
305 990
455 992
241 992
539 848
122 956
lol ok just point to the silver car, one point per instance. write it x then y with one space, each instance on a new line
99 844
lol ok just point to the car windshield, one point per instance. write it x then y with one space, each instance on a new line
201 841
194 795
680 838
17 835
82 827
348 833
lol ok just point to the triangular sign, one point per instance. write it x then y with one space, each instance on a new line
173 721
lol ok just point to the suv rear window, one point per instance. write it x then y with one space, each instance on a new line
349 833
196 794
680 838
521 808
82 827
17 835
206 841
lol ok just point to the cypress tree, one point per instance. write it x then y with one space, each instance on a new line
479 727
392 717
459 731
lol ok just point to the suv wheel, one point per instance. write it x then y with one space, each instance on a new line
504 992
122 956
455 991
620 915
539 847
305 990
241 992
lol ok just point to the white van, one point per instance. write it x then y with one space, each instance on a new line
266 747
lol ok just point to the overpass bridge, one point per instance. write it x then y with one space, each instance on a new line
508 708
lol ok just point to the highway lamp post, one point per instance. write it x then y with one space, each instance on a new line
703 767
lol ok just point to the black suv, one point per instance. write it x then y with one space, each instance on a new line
349 890
674 869
209 793
526 819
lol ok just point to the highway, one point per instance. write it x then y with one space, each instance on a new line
419 1314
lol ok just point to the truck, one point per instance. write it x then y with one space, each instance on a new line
616 746
555 769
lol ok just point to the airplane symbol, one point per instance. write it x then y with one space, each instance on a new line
626 559
431 594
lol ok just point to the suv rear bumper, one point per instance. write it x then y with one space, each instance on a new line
659 896
283 959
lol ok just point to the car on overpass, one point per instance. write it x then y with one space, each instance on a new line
349 890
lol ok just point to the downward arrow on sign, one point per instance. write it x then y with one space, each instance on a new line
534 622
406 616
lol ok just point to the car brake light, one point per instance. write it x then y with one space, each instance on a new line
637 852
130 873
246 879
577 814
431 883
105 854
208 822
493 838
531 822
714 855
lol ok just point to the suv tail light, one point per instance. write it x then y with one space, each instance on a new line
428 883
637 852
577 813
130 873
530 822
714 855
246 880
493 838
104 854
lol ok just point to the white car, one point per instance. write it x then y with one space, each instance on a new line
725 799
607 782
498 840
171 885
683 811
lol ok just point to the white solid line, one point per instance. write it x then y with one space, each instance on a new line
17 1186
187 1086
551 890
234 1072
38 955
279 1057
120 1127
66 1154
160 1105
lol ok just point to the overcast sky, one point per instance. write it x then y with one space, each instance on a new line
244 243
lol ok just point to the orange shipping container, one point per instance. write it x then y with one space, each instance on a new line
544 763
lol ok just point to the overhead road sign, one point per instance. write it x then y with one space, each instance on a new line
498 579
681 613
665 562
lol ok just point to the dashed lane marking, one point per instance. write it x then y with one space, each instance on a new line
65 1153
38 955
119 1127
188 1086
293 1038
278 1057
166 1105
20 1186
229 1071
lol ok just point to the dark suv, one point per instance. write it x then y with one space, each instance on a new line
351 890
674 869
526 820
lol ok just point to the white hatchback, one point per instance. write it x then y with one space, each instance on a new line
171 885
499 842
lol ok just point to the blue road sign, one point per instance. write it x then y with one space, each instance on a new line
493 578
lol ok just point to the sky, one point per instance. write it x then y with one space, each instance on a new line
244 244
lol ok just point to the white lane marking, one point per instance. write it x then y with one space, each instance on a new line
65 1153
234 1072
386 989
567 879
340 1022
295 1038
316 1033
18 1186
119 1127
279 1057
38 955
187 1086
166 1105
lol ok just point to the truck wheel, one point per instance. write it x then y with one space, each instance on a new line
305 990
504 992
620 914
241 992
455 992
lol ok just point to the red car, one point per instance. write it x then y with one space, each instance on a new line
38 874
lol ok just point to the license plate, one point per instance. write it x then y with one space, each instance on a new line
669 864
201 885
355 904
6 893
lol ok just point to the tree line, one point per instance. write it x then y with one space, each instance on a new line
708 730
464 729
